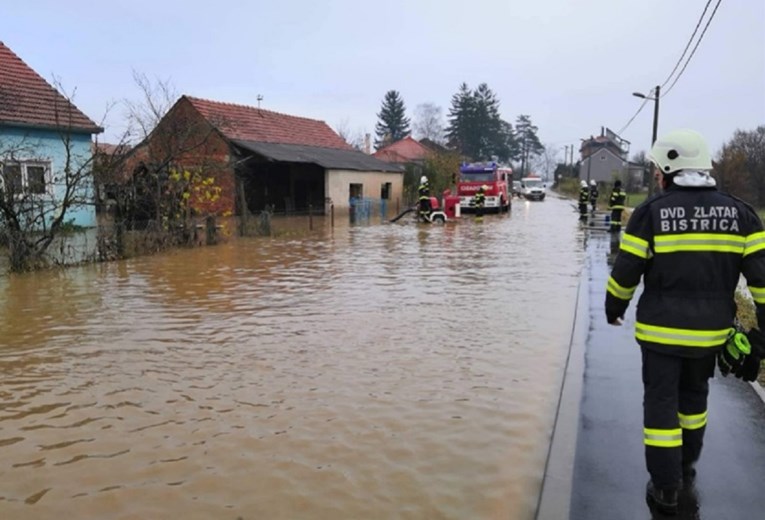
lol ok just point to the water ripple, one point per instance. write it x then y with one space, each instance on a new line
368 372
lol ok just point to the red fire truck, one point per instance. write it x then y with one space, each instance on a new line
490 174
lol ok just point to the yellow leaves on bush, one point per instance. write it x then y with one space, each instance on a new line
191 190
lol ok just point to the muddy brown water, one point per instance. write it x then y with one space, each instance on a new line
364 372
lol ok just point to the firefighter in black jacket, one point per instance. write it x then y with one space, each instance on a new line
616 205
479 201
584 198
423 199
594 195
690 244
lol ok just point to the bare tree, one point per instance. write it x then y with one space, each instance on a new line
157 98
740 167
36 200
429 123
355 138
546 161
170 139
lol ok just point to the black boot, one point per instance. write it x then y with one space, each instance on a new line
689 474
663 499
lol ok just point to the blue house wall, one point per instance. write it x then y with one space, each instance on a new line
30 144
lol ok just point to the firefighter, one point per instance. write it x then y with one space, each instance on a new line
479 201
616 205
423 194
593 194
690 244
584 198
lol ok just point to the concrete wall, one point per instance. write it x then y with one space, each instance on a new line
48 146
337 186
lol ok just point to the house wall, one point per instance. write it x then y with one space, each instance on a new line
186 141
605 167
48 145
337 186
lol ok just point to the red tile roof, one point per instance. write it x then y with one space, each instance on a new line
27 99
403 151
111 149
248 123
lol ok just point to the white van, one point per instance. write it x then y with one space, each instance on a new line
532 188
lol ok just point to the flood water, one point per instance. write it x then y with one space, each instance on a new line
371 372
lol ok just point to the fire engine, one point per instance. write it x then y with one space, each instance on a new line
497 178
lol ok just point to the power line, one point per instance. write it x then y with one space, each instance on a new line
701 36
690 40
685 65
628 123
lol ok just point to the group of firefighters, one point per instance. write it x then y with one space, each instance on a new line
589 195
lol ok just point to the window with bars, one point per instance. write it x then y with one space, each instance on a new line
25 177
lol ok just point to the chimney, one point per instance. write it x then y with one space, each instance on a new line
367 144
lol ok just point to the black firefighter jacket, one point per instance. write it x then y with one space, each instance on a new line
690 245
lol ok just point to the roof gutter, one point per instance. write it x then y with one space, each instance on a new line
36 126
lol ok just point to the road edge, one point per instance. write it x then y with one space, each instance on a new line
557 482
758 389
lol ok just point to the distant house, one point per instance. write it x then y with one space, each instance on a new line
261 158
404 151
604 158
42 134
108 172
433 146
603 166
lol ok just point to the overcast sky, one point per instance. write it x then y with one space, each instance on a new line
570 65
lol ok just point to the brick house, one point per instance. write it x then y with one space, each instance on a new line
261 158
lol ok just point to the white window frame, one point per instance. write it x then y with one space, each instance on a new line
23 164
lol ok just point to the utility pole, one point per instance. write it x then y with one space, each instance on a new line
565 160
655 113
651 182
655 99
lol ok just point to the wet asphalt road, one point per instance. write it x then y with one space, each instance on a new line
609 475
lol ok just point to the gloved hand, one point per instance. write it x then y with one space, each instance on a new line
750 368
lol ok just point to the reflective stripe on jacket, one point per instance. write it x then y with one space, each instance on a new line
584 195
616 201
690 246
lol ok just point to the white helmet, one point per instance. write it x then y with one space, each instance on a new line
593 183
681 150
423 179
584 184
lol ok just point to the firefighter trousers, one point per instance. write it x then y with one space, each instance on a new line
675 391
616 220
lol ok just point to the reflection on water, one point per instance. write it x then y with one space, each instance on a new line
383 371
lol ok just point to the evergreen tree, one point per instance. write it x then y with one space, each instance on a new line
392 124
461 121
528 141
475 126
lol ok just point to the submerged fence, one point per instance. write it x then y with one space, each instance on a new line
114 239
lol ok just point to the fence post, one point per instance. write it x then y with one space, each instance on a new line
211 238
